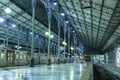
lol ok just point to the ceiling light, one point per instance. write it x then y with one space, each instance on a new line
55 3
51 36
37 36
72 48
62 14
20 47
30 32
67 21
1 20
15 46
13 25
8 10
46 33
64 43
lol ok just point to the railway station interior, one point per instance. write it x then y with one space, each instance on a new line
59 39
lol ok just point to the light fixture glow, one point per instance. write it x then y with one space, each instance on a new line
51 36
37 36
55 3
67 21
8 10
1 20
15 46
46 33
64 43
13 25
62 14
73 31
72 48
30 32
20 47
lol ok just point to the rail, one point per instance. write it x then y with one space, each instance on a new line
106 72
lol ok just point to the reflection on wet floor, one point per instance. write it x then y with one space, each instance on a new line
53 72
118 65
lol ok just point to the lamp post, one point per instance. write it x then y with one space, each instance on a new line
33 25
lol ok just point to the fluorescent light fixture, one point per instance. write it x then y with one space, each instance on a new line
55 3
1 20
51 36
8 10
62 14
13 25
46 33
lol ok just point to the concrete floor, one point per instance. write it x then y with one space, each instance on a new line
71 71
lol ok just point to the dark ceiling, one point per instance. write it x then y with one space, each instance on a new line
40 13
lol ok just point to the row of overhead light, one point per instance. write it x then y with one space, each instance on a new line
18 47
47 34
62 14
8 11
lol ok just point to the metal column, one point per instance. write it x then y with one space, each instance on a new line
59 27
27 40
49 26
39 49
7 29
69 43
64 39
58 45
33 25
74 43
18 44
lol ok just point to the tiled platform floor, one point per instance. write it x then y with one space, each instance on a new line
52 72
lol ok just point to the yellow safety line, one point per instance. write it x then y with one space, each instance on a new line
85 75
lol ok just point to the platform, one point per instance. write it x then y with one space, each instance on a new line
71 71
